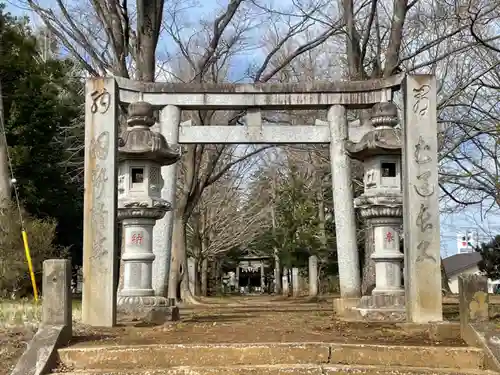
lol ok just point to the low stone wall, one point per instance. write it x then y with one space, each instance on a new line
56 326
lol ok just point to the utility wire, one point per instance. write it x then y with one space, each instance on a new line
12 181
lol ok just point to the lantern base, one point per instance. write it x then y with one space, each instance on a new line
148 309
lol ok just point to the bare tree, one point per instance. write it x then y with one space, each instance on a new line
226 217
377 38
102 37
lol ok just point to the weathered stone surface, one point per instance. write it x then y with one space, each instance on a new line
57 297
474 298
295 282
56 326
382 301
421 206
152 310
323 87
345 228
40 356
443 330
392 315
99 227
154 356
361 94
381 308
313 276
292 370
200 355
225 134
485 336
436 357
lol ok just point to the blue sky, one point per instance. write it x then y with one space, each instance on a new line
451 224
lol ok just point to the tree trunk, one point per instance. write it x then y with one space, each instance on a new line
444 279
322 226
277 272
179 241
197 277
368 275
277 265
176 262
204 277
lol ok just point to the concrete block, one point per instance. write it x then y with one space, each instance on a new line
41 355
473 297
57 297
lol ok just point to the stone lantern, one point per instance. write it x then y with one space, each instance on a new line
381 205
141 153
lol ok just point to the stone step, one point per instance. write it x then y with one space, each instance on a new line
165 356
304 369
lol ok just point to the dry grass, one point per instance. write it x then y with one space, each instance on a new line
27 313
19 320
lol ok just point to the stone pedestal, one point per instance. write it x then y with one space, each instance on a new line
137 257
382 307
136 300
387 257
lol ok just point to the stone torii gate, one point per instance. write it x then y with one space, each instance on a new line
419 170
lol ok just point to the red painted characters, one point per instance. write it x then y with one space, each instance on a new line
137 238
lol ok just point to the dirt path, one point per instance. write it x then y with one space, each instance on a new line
240 320
257 319
13 342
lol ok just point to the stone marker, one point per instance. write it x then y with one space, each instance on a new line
313 276
285 283
100 204
191 274
475 328
474 298
295 282
421 206
40 357
56 284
